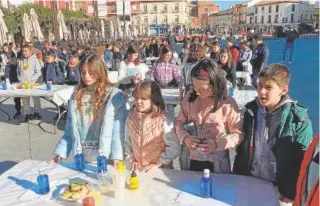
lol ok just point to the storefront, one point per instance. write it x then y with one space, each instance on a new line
159 29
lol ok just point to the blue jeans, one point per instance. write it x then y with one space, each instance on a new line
287 46
255 75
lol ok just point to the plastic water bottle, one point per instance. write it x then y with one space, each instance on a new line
8 84
43 183
102 164
231 91
4 86
79 161
48 87
206 184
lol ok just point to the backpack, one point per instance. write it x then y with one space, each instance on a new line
304 197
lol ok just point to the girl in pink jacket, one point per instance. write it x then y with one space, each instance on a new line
214 118
149 138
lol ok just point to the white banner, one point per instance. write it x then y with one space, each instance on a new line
127 7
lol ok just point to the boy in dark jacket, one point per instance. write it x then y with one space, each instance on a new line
108 56
117 58
52 73
215 51
277 132
260 56
72 68
11 73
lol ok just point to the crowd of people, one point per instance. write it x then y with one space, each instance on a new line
270 138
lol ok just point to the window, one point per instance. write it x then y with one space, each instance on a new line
113 9
251 20
154 20
277 8
145 8
301 16
311 16
293 7
155 8
176 19
262 9
270 9
145 19
165 8
165 19
269 19
256 11
276 18
206 10
176 7
255 19
306 16
292 16
262 19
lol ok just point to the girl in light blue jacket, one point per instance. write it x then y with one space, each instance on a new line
96 116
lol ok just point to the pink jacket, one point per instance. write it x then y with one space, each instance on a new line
150 140
224 125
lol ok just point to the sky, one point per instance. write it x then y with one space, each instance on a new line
225 4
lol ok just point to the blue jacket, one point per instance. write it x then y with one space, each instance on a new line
110 131
108 56
52 72
260 56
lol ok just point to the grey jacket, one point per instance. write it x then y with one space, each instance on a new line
29 69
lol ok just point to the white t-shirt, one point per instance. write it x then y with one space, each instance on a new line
123 77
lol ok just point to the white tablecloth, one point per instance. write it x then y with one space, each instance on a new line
59 93
172 96
158 187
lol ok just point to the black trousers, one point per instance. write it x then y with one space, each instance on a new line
17 104
201 165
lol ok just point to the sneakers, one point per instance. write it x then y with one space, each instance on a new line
17 115
34 116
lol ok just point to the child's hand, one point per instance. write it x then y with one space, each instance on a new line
284 199
191 142
137 79
208 146
135 166
149 168
56 159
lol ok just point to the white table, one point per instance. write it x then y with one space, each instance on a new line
158 187
172 96
59 95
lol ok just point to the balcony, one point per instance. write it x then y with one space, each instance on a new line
144 11
153 12
164 11
175 11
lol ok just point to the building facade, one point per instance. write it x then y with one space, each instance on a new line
222 22
200 12
239 20
271 14
166 15
151 17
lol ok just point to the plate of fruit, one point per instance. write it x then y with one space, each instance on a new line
75 191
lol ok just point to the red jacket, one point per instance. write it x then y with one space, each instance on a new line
313 196
235 54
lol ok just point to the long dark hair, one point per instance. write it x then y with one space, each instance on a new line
197 53
216 78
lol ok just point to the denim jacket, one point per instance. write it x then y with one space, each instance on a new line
110 133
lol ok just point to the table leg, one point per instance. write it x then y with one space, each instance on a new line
59 113
3 109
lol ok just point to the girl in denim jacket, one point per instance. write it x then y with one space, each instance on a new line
96 116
